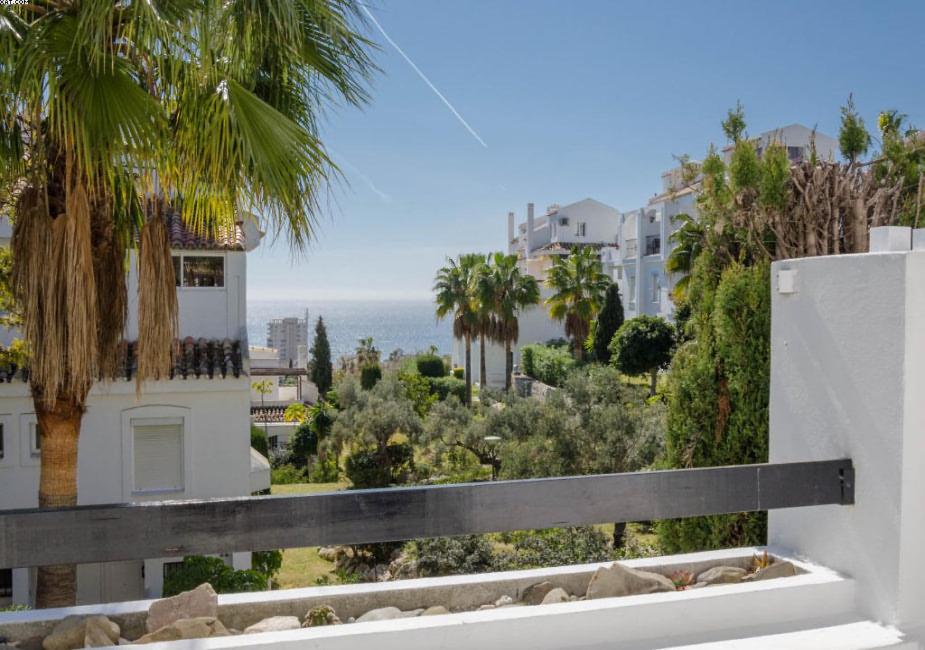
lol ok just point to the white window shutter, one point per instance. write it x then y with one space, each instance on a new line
158 454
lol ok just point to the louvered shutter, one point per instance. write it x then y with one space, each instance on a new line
158 454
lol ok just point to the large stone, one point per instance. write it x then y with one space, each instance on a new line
327 553
201 627
776 570
275 624
100 632
534 594
721 575
201 602
619 580
68 634
381 614
503 601
557 595
436 610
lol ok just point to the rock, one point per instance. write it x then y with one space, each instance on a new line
201 602
100 632
381 614
776 570
436 610
68 634
327 553
125 641
31 643
534 594
504 600
200 627
320 615
619 580
721 575
557 595
486 606
274 624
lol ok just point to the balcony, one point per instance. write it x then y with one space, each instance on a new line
653 245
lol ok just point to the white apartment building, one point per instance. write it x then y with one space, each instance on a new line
289 336
185 437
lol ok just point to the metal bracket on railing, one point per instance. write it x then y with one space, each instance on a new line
846 476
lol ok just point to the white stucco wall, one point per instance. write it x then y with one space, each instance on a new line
848 380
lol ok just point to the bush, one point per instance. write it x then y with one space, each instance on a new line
549 364
459 373
370 376
372 469
643 345
417 389
259 440
443 387
443 556
553 547
303 445
197 569
267 562
430 365
287 475
325 471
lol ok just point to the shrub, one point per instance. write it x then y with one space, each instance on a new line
373 469
197 569
526 361
259 440
459 373
303 445
443 556
417 389
267 562
287 475
370 376
443 387
553 547
549 364
325 471
430 365
643 345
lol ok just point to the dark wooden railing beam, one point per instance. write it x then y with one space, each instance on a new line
103 533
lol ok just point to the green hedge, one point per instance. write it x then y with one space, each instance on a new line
443 387
430 365
197 569
548 364
370 376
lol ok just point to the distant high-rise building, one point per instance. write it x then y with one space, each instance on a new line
286 335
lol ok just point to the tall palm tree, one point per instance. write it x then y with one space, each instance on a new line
579 284
689 241
112 113
454 289
508 291
483 298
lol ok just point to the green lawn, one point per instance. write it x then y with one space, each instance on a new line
302 566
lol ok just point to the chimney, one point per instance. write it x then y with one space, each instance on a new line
529 229
510 232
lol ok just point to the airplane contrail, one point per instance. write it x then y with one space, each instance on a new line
424 77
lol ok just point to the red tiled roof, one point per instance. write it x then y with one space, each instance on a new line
224 237
562 248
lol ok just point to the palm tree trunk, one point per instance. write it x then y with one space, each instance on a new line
483 374
58 428
508 365
619 534
468 370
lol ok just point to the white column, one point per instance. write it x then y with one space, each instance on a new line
529 250
848 380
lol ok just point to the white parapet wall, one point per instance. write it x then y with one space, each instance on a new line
848 380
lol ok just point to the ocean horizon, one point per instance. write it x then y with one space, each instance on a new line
408 325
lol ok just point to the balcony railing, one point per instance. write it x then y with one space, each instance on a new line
106 533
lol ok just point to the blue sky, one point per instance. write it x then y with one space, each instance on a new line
573 99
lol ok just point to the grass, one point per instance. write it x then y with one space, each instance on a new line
302 566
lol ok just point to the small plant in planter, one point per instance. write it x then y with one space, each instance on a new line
762 561
682 579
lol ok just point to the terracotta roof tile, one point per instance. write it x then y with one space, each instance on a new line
224 237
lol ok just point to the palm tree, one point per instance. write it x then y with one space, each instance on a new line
454 289
483 299
112 113
689 243
367 354
508 291
579 284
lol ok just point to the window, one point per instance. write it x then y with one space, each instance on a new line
653 245
631 248
171 568
563 221
199 270
795 154
35 440
656 288
581 229
6 583
158 454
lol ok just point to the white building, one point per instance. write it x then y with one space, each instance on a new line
289 336
286 386
185 437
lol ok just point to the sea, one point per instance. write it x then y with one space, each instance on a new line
407 325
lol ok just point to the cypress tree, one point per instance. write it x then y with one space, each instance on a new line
320 370
608 322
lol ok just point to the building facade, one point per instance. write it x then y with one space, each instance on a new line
185 437
289 337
